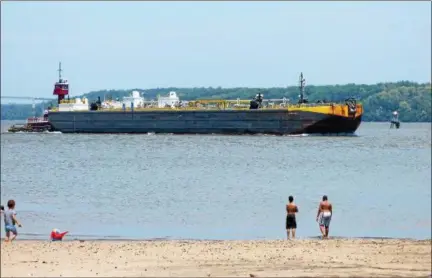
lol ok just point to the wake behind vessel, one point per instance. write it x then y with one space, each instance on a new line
211 116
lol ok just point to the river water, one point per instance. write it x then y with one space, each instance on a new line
219 187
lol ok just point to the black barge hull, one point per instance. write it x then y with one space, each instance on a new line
271 121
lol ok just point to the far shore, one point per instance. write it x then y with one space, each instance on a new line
217 258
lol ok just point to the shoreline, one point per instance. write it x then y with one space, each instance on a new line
71 238
228 241
208 240
222 258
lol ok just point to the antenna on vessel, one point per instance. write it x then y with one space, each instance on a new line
302 87
59 70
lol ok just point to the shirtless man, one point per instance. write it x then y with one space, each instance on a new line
291 223
325 210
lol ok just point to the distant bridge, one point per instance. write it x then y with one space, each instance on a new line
29 98
33 99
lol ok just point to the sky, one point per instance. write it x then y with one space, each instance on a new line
125 45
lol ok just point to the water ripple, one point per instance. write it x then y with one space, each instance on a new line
219 187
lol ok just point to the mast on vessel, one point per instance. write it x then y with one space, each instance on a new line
59 70
302 82
61 87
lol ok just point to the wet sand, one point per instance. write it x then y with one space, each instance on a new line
309 257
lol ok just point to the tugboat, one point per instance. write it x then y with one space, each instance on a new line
33 124
41 124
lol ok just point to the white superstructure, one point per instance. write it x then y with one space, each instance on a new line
77 105
135 98
171 100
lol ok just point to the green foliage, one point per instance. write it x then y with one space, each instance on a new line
412 100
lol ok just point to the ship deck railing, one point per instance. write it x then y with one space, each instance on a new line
217 105
74 101
34 120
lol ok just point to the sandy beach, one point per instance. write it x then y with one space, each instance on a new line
310 257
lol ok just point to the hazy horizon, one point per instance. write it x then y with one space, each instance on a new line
126 45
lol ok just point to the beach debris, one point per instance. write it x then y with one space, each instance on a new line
56 235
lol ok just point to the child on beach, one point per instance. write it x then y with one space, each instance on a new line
10 221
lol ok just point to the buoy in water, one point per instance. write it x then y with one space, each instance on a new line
56 235
395 120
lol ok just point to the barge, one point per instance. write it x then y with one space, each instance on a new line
171 115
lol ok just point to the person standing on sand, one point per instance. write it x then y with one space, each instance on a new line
291 223
325 210
10 221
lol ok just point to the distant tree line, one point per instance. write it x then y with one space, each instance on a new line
411 100
21 111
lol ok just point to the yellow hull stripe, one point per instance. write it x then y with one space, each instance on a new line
337 109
